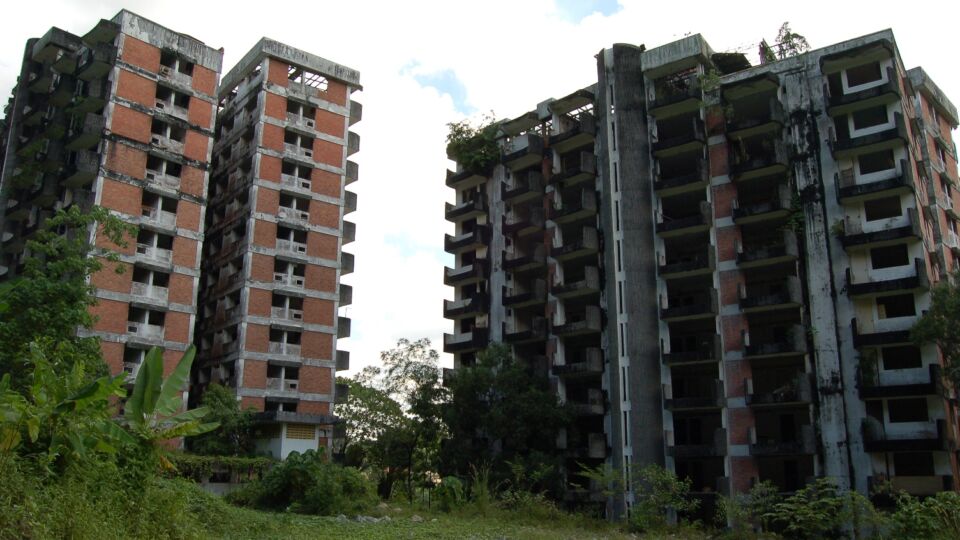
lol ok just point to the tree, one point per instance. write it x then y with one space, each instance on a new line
790 43
234 437
500 413
941 325
151 411
474 148
52 297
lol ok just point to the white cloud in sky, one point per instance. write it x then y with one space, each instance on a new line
426 63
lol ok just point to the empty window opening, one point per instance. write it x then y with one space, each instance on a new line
163 129
172 60
889 256
151 277
315 80
294 169
884 208
876 162
901 357
169 96
907 410
864 74
145 316
291 137
874 116
301 109
897 305
913 464
280 406
161 166
152 203
154 239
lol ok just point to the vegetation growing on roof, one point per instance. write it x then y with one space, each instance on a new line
474 147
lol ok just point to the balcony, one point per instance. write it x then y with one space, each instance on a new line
691 307
951 241
168 106
577 133
286 313
470 306
145 331
345 295
852 188
675 97
520 295
302 122
283 348
343 360
356 112
174 75
717 447
930 436
471 208
473 340
587 364
888 92
154 254
874 333
95 63
770 120
166 143
467 241
298 152
346 263
524 220
295 183
518 332
284 280
672 183
586 245
467 274
768 344
583 206
465 179
916 382
772 157
582 170
522 187
796 392
85 136
775 208
708 396
343 327
710 350
291 248
700 222
768 253
587 321
854 234
353 143
694 139
83 171
165 180
149 294
771 295
801 444
522 260
340 393
160 219
588 284
896 135
278 384
688 265
592 404
293 216
522 151
901 278
595 447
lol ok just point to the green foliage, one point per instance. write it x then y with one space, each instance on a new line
789 43
52 296
516 415
151 411
941 325
199 467
308 483
657 493
709 80
449 494
934 518
234 437
474 148
819 510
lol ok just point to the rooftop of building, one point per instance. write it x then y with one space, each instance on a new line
160 36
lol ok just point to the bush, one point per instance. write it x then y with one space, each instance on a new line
936 517
818 510
449 494
307 483
658 492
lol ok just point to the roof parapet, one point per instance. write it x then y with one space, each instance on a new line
922 82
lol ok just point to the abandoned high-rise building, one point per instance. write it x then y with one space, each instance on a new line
718 265
274 231
240 226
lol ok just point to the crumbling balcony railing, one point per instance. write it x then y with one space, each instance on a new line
469 306
854 236
888 280
900 383
850 187
930 436
845 146
475 272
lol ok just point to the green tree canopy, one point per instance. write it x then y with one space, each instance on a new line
941 325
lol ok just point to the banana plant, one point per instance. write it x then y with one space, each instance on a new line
152 412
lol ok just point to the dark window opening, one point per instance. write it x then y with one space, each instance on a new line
874 116
864 74
876 162
913 464
889 256
901 357
907 410
898 305
885 208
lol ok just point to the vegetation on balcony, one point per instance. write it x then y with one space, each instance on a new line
941 325
474 147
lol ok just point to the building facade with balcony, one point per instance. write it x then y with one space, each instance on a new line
121 117
737 253
275 229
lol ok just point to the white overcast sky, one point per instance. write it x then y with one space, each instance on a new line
426 63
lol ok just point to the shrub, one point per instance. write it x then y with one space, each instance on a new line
308 483
818 510
449 494
936 517
658 492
